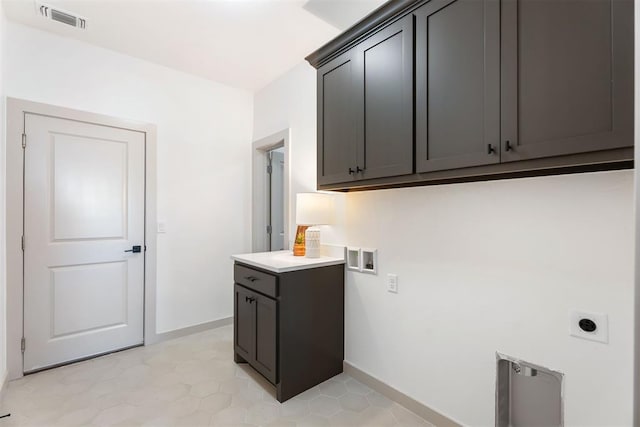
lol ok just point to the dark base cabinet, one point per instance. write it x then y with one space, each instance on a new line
290 326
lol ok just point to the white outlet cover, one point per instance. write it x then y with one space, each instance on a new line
162 227
601 334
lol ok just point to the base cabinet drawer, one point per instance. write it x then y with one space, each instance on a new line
255 280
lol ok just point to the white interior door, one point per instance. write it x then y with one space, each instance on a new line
84 207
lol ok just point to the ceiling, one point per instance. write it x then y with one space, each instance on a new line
241 43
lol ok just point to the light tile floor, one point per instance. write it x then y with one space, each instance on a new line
189 381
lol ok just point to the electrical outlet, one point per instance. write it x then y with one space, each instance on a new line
162 227
392 283
589 326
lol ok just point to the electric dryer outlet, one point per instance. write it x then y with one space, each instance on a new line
589 326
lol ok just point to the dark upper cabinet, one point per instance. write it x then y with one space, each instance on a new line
365 109
457 84
567 83
441 91
337 120
384 79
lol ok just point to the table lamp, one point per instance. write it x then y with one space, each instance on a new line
311 209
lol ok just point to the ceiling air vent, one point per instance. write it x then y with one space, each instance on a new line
56 14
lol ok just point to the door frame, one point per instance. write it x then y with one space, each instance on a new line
15 112
259 187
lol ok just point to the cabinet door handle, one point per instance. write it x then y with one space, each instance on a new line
508 146
358 170
249 299
251 278
351 171
490 149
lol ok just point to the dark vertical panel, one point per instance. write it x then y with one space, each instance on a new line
265 356
573 89
455 40
311 325
243 323
385 79
564 74
457 80
508 77
336 121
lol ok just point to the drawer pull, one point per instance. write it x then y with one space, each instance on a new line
251 278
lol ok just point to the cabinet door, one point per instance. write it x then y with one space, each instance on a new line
457 84
266 339
385 95
243 331
567 82
337 121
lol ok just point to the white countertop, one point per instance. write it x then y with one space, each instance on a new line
284 261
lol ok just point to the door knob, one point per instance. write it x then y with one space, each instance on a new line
135 249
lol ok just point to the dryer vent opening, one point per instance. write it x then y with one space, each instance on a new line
527 395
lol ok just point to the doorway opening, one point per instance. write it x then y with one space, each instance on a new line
275 199
270 207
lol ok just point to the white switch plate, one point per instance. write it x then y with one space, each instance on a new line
392 283
601 334
162 227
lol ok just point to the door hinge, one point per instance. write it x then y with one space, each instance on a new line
269 169
22 243
23 344
24 140
268 229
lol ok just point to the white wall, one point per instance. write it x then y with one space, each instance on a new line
204 136
3 270
290 102
482 267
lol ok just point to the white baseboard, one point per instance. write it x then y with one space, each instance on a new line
430 415
177 333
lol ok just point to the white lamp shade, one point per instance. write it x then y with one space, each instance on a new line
314 209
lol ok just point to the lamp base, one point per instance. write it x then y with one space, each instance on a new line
312 242
299 242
